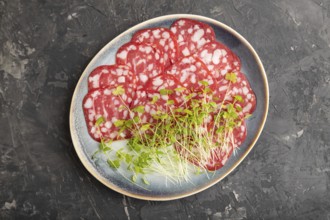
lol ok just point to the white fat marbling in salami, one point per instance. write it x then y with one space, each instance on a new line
102 103
226 90
191 35
219 156
190 71
174 90
95 75
162 37
117 75
145 61
141 99
219 59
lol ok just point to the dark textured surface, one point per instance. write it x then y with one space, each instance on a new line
44 47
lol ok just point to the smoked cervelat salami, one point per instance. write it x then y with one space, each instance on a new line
145 61
219 59
102 103
191 35
162 37
190 71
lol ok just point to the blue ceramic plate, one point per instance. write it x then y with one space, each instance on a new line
159 188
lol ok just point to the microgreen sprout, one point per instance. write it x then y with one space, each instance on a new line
179 136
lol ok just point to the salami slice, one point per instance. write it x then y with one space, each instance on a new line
174 90
101 103
117 75
190 71
219 155
191 35
219 59
249 101
146 61
109 76
162 37
226 91
92 112
94 77
239 135
141 99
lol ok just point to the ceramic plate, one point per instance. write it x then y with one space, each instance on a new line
159 188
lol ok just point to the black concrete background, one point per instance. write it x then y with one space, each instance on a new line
44 47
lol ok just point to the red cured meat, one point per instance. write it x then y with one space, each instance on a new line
190 71
92 112
102 103
239 135
94 76
219 156
146 61
110 76
162 37
219 59
117 75
244 90
191 35
141 99
226 90
168 82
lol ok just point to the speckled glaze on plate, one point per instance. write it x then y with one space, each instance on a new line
160 189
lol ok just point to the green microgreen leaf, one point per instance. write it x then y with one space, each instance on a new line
154 99
145 127
187 111
239 108
115 164
170 102
134 178
128 123
207 90
165 92
136 119
213 104
94 154
145 181
204 83
180 89
119 123
122 107
231 77
238 98
188 97
139 109
128 158
119 90
99 121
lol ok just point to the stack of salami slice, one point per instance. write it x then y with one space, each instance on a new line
165 58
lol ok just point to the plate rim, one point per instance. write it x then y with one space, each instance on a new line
92 170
